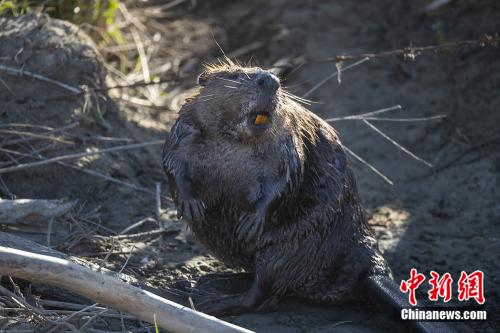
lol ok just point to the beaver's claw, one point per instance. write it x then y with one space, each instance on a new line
191 209
250 226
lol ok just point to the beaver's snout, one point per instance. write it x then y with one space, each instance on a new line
267 81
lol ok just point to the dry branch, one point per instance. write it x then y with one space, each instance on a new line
391 140
371 167
27 210
334 74
90 172
16 242
412 52
77 155
457 158
21 72
108 290
365 115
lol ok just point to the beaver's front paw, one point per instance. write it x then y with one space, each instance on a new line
250 226
190 208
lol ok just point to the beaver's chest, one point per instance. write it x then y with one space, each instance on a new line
231 175
229 180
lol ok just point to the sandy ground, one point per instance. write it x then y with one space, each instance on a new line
446 220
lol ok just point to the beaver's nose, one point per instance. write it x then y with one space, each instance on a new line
268 81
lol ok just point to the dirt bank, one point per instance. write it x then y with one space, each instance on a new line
445 219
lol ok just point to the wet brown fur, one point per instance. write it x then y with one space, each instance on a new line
314 242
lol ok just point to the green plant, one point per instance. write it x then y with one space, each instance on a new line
156 325
98 15
13 7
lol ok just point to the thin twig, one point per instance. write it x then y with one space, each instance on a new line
67 318
21 302
136 225
138 235
33 135
91 319
37 313
246 49
49 230
158 202
112 179
334 74
47 128
457 158
104 89
361 117
465 152
125 264
439 116
131 18
98 254
170 4
436 4
113 314
65 305
375 170
89 172
388 138
105 259
21 72
6 86
367 114
143 58
413 51
78 155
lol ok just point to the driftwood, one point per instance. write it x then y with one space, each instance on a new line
36 219
31 210
27 260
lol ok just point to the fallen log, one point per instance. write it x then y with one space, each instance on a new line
20 243
107 289
28 211
36 219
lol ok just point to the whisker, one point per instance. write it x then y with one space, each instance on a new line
298 100
307 101
230 87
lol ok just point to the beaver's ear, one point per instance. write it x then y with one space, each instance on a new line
202 79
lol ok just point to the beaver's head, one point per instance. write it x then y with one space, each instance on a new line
241 102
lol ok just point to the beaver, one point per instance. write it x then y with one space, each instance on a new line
266 185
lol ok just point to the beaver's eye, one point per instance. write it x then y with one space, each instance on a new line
233 76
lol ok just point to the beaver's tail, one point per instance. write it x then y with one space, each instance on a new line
383 291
